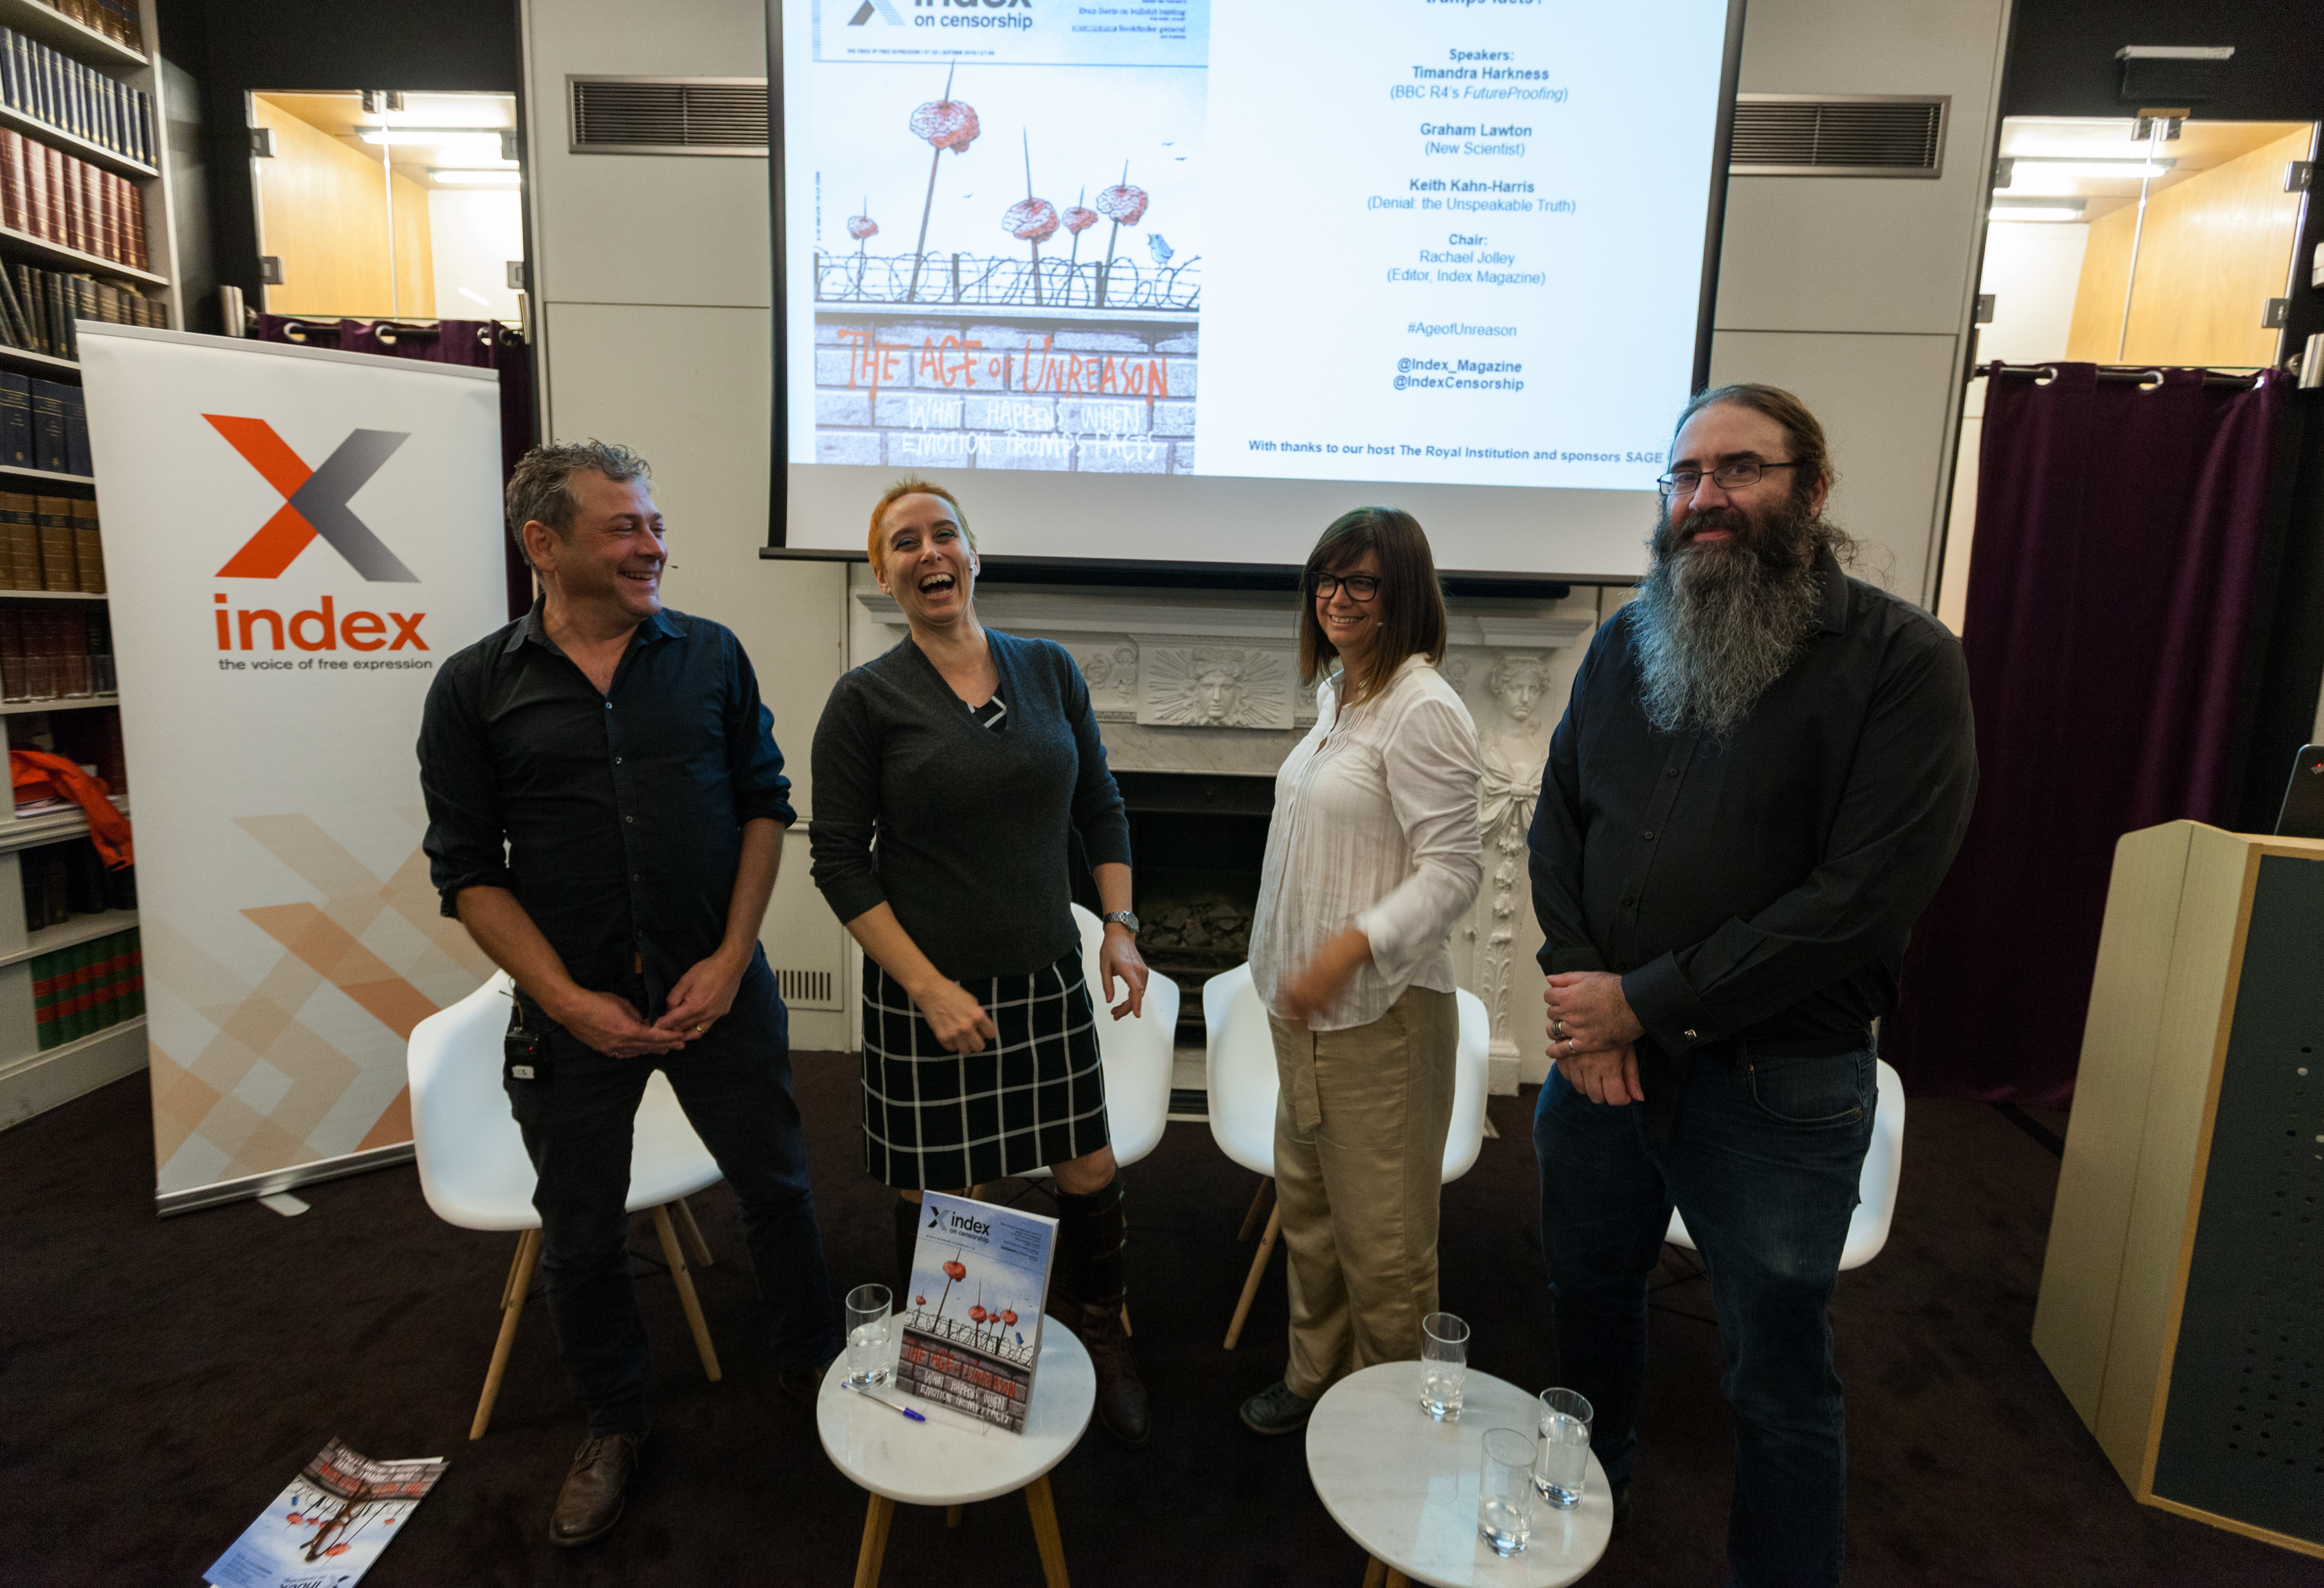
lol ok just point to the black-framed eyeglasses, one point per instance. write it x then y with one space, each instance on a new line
1727 476
1359 587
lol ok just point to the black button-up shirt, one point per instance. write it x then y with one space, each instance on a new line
615 819
1760 887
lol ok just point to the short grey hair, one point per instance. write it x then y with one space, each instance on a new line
541 488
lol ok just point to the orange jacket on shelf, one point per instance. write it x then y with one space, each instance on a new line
39 775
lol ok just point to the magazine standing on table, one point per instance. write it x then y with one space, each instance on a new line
972 1310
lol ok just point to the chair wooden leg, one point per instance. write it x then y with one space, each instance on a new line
876 1517
696 1247
512 1294
686 1298
1375 1571
1397 1578
1258 1201
1125 1320
1258 1272
1052 1545
952 1516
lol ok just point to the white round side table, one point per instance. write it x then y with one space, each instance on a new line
951 1459
1405 1486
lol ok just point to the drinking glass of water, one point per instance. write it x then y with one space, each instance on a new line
870 1330
1443 1364
1505 1490
1564 1456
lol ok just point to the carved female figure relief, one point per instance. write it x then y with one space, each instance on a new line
1514 749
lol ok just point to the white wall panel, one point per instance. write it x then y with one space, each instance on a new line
644 229
1883 402
1863 254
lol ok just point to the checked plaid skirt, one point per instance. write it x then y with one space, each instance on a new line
935 1121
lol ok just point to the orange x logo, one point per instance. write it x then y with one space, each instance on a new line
314 502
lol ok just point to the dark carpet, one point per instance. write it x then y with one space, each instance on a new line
163 1380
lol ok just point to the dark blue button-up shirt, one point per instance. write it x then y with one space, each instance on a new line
614 819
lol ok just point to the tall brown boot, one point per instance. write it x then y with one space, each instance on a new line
1091 1233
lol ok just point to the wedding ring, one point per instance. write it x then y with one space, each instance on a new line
1557 1029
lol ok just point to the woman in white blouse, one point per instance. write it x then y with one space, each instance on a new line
1371 856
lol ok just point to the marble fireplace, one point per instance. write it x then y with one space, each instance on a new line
1198 696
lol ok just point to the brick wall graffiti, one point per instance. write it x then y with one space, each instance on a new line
1110 398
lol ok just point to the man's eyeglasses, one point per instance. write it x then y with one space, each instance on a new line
1727 476
1359 587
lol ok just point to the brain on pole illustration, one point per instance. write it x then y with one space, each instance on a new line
1031 220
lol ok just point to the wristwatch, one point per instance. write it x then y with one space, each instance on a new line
1127 917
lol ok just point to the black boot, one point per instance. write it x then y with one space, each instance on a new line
1091 1231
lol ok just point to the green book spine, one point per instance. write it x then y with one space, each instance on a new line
104 987
44 1001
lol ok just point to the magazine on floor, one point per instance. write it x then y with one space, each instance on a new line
972 1313
329 1525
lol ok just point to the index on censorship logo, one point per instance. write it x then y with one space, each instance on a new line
314 508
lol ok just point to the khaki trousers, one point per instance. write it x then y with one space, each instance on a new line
1359 1130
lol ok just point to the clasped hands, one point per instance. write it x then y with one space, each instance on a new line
961 1024
1593 1036
612 1025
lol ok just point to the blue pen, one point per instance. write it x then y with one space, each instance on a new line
891 1406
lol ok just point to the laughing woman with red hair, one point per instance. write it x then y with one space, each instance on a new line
971 756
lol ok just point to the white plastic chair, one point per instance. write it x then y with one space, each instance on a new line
1239 1061
1883 1162
475 1174
1135 1052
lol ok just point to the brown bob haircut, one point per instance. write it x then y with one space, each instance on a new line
910 486
1801 431
1412 603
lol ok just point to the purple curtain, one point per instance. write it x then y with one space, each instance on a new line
2111 603
479 344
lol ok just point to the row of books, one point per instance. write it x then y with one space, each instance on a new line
80 991
64 880
55 652
43 425
50 543
72 203
115 19
38 309
51 87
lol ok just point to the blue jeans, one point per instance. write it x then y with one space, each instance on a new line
735 1084
1763 1159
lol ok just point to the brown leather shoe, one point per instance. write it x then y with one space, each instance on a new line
1121 1403
590 1503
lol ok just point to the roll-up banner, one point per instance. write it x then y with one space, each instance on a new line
295 540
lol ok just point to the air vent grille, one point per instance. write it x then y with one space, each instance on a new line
807 989
669 116
1839 135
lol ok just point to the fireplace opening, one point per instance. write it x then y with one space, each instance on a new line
1196 841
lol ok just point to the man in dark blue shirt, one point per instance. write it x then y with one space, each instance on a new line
606 808
1762 775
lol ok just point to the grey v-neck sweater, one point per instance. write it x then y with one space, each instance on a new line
962 830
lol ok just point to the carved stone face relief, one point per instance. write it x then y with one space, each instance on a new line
1215 686
1518 682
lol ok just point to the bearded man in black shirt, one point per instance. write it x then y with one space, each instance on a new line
1761 777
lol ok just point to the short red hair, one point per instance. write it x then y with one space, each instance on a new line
913 486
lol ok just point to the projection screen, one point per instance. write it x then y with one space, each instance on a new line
1151 282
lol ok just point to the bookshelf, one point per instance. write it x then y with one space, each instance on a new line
31 1079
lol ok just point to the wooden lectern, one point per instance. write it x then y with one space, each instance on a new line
2182 1298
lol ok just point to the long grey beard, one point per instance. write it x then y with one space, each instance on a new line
1714 629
